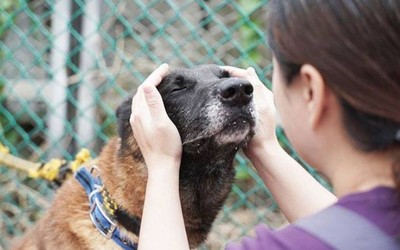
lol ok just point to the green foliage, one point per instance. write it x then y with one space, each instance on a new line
250 31
7 16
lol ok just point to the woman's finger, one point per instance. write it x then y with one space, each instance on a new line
253 77
157 75
134 99
139 103
234 71
155 104
249 73
139 109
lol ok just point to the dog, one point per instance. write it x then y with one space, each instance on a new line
215 116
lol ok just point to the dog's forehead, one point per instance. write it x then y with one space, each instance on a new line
203 71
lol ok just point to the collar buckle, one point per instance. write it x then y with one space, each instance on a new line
106 225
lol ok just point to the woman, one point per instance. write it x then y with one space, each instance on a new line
336 84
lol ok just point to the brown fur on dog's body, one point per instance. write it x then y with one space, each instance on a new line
67 224
206 174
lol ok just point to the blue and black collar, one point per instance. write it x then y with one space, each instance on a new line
105 213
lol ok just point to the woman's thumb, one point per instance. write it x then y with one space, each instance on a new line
154 102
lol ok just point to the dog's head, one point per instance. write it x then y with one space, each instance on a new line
208 107
206 104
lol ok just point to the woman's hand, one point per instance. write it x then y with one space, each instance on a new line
264 102
156 135
161 146
281 174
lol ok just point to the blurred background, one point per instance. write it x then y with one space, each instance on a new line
65 65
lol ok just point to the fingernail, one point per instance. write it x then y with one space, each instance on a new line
147 89
251 70
163 65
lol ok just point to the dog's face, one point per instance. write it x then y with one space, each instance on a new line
209 106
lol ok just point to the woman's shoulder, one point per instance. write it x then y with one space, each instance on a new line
378 206
289 237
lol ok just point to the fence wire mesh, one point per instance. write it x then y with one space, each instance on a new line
67 64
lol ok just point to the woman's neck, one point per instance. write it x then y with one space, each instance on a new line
355 171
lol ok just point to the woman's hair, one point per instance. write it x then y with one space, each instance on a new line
355 44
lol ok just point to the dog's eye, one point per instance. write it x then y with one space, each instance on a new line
179 83
178 89
224 74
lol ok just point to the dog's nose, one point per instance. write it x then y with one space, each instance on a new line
235 91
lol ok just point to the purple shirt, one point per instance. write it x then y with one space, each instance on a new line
378 205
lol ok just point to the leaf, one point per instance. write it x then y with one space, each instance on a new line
6 4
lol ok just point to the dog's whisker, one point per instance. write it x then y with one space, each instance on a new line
193 140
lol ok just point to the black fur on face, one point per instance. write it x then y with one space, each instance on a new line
204 117
211 110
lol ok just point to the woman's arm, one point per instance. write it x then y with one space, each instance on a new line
162 225
162 221
297 193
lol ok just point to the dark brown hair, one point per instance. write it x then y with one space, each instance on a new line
356 46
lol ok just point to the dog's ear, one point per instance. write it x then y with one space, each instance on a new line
123 114
128 142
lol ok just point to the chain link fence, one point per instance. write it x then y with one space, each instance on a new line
67 64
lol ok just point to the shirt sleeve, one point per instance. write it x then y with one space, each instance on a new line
289 237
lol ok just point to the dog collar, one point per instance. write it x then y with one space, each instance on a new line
102 209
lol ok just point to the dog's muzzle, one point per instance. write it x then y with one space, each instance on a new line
234 115
235 92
